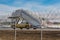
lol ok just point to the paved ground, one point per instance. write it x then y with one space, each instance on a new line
29 35
31 29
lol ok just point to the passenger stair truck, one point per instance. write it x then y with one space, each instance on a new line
31 19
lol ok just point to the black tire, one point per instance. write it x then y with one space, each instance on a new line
27 27
13 27
34 28
21 28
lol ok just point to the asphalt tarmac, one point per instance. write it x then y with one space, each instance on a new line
30 29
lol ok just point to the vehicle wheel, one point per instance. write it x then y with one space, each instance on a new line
27 27
21 28
34 28
13 27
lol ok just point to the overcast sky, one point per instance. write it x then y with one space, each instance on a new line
42 6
